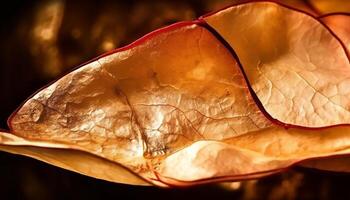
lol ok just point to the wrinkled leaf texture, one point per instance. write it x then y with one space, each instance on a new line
240 93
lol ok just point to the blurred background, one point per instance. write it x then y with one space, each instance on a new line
41 40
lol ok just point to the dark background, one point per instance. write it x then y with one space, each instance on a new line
41 40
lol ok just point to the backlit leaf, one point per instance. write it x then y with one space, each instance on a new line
297 68
175 108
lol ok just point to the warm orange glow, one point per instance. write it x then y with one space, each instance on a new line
197 102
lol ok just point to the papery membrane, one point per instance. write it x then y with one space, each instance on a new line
174 108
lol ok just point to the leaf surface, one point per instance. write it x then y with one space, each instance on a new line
177 86
65 157
339 23
175 107
297 68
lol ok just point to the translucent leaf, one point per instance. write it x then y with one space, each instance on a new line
175 108
339 24
135 106
65 157
297 68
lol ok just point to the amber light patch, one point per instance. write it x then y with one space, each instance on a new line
327 7
339 24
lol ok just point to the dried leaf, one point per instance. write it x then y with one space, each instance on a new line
333 164
64 156
297 68
253 155
174 107
339 24
174 87
301 5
